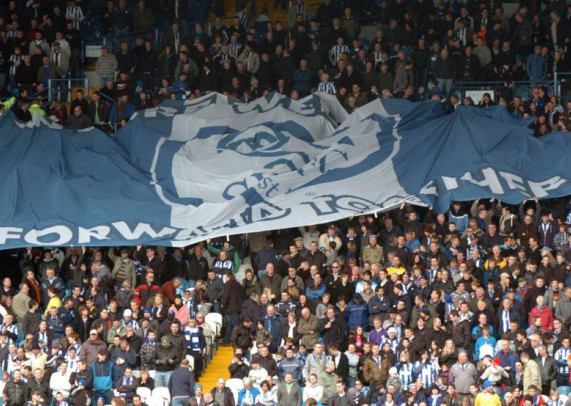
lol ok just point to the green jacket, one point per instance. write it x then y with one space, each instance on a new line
235 257
328 381
9 103
35 109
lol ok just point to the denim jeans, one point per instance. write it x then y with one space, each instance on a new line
232 322
180 401
162 379
445 85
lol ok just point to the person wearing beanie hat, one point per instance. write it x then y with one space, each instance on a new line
123 266
394 379
357 312
166 357
425 369
487 397
372 252
102 371
91 346
197 398
239 368
128 320
257 373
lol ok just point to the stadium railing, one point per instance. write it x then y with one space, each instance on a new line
562 86
61 88
522 89
155 35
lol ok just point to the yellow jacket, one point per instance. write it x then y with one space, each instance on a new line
392 270
487 399
54 302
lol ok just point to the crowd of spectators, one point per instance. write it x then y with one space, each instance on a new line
411 307
419 51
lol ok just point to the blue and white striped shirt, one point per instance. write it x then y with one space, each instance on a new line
12 328
561 357
427 373
74 12
405 374
393 343
13 59
328 88
337 50
234 49
131 322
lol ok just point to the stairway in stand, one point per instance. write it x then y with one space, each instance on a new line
275 14
217 368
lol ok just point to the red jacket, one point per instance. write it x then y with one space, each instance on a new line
169 291
144 292
545 315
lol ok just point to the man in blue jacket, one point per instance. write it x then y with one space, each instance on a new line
102 371
357 312
248 394
275 327
181 384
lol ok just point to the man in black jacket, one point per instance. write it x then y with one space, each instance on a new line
15 388
341 361
197 265
166 357
221 394
238 369
98 110
147 66
39 383
232 297
242 335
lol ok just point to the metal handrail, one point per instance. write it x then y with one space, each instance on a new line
109 99
69 81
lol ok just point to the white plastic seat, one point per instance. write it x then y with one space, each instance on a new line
235 385
215 322
144 393
159 394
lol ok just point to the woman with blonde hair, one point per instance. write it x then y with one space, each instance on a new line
448 356
292 290
117 401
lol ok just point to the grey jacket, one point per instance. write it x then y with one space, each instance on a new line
463 378
563 309
293 398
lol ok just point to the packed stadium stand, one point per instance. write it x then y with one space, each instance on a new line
467 306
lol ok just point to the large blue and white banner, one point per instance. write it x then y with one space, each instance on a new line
213 167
